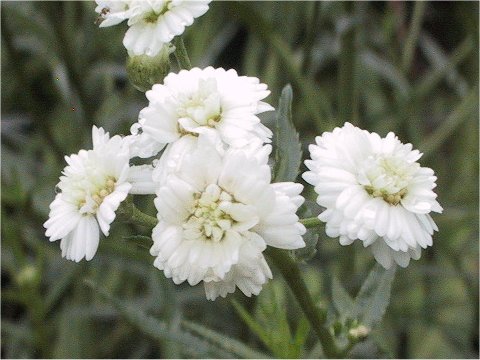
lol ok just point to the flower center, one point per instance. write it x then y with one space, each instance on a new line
208 220
387 177
90 202
151 17
203 108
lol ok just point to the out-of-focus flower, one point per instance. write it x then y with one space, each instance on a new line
374 190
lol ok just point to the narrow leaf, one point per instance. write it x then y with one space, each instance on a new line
288 150
374 296
254 326
231 345
342 301
154 328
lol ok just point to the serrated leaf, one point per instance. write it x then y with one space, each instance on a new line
288 150
227 343
374 295
342 301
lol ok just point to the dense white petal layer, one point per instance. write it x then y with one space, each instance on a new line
212 102
92 186
374 191
217 211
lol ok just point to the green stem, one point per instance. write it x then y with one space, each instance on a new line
347 94
468 107
312 31
412 38
181 54
314 98
317 317
129 212
430 81
62 28
311 222
287 266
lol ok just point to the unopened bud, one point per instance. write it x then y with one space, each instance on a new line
27 276
145 71
359 333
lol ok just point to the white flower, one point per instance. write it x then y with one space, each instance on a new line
141 144
216 216
112 12
91 188
214 102
375 191
152 23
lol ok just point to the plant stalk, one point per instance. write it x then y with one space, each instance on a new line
310 222
317 317
287 266
181 54
347 93
413 33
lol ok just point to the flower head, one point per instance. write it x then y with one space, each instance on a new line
92 187
152 23
112 12
217 213
374 190
214 102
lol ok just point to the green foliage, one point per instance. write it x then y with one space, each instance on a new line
416 75
271 325
288 150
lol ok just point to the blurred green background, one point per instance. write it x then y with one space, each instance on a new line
407 67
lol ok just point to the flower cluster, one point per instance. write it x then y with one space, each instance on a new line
217 208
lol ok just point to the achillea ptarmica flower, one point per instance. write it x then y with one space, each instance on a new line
214 102
217 213
112 12
152 23
374 190
92 187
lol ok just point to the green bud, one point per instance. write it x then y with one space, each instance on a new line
27 276
337 328
358 333
145 71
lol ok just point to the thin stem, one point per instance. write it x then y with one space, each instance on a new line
287 266
310 36
412 38
428 83
63 32
316 101
129 212
347 94
317 317
33 105
311 222
467 108
181 54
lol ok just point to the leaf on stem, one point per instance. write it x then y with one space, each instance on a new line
157 329
229 344
374 295
342 301
288 151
